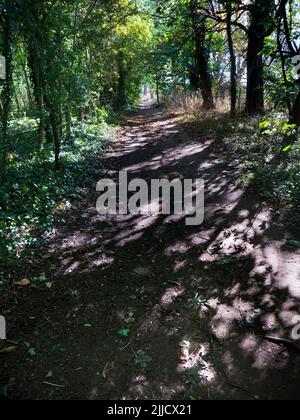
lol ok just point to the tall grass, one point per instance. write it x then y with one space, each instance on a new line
191 103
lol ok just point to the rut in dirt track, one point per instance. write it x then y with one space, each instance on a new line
222 286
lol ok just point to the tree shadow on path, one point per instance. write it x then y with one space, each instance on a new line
223 286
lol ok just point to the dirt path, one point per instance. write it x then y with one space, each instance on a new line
223 286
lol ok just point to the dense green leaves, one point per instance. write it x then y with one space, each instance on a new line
35 196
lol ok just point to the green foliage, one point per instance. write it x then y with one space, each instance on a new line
295 244
124 333
276 129
89 59
35 196
267 164
102 114
142 359
286 187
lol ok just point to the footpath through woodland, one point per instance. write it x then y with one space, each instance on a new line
126 290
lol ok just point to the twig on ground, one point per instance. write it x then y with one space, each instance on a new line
127 345
12 342
175 283
53 385
283 342
48 320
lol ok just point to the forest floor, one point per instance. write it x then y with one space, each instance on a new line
223 286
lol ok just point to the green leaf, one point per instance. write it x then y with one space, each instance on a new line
123 333
264 124
8 350
287 148
32 352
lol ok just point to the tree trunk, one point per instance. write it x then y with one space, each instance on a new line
61 123
8 86
37 82
28 88
68 121
54 118
295 117
202 56
157 91
233 69
48 130
41 133
255 69
194 78
262 24
80 114
121 100
19 111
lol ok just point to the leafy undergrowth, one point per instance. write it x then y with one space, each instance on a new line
35 196
256 144
275 168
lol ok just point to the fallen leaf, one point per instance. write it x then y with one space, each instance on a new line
49 285
49 375
24 282
107 368
46 256
110 252
7 350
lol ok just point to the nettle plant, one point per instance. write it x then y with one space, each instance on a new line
282 140
278 131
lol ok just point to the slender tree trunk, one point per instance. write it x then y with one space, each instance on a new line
295 117
68 121
233 69
43 88
157 92
37 82
240 98
121 100
54 118
42 124
28 88
202 56
61 123
48 130
18 104
80 114
8 86
41 131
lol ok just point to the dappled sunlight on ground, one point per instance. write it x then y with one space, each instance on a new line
222 286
